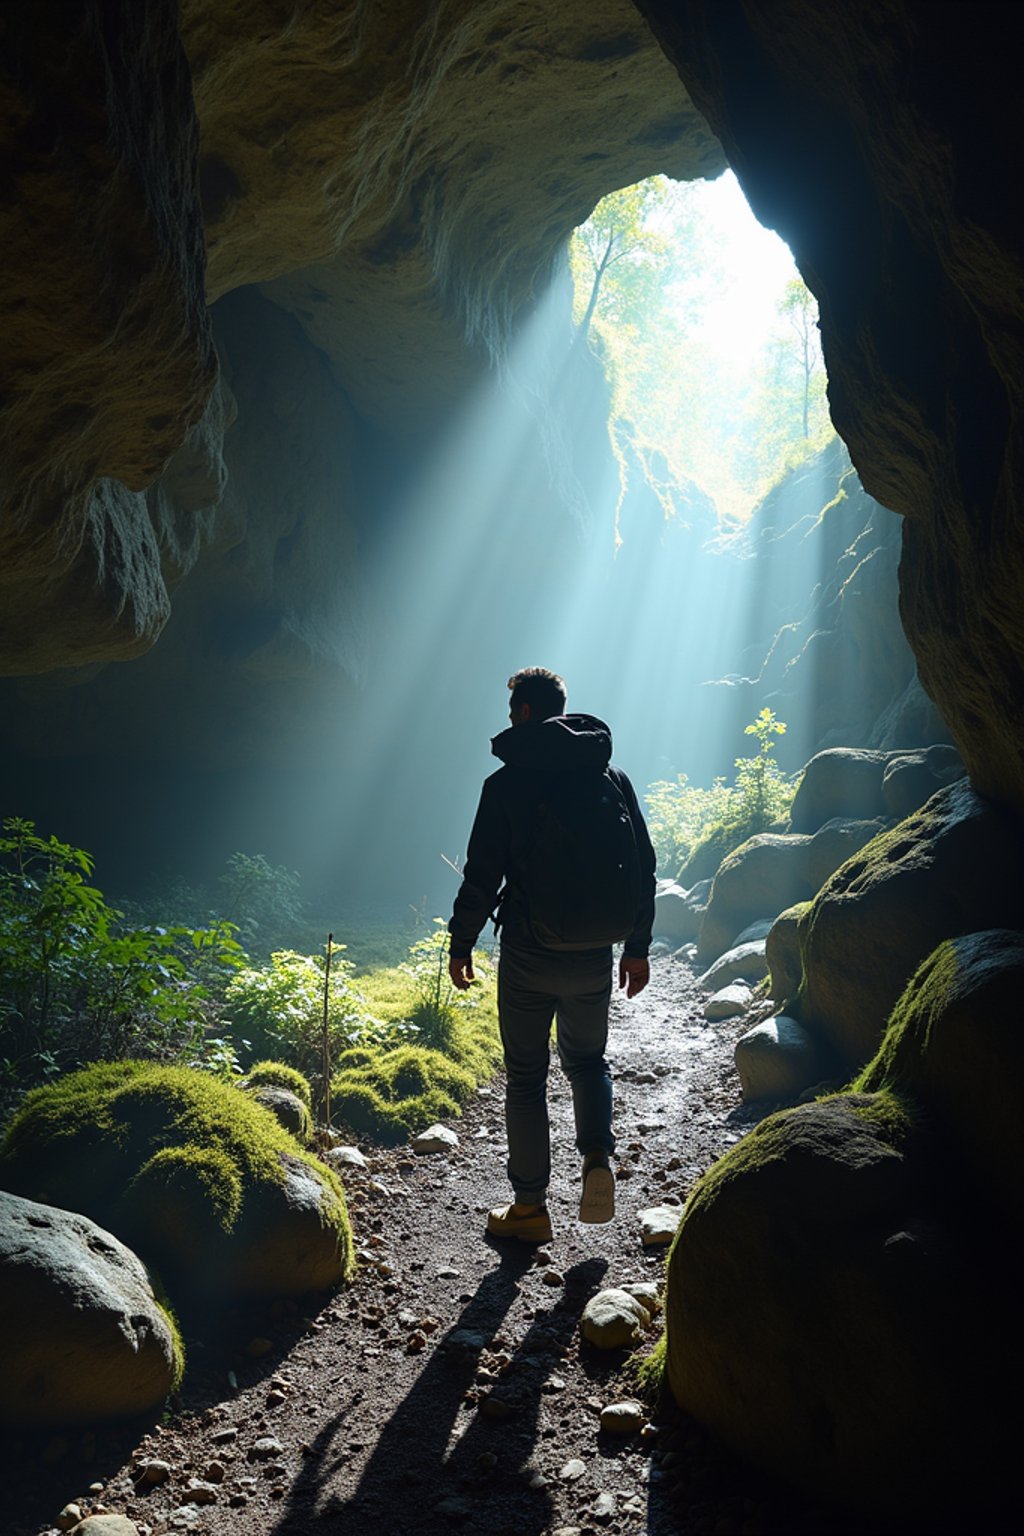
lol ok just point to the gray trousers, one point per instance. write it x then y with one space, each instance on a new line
535 986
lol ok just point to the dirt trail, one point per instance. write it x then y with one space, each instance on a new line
375 1406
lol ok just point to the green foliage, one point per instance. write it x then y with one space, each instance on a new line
694 829
435 1015
167 1158
275 1074
401 1091
650 267
261 899
77 984
280 1008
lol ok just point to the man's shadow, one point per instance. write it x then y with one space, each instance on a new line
416 1479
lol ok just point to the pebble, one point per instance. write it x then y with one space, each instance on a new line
658 1224
215 1472
199 1492
573 1470
264 1448
276 1398
436 1138
448 1273
494 1407
109 1525
346 1157
623 1418
70 1515
553 1277
150 1473
604 1507
223 1435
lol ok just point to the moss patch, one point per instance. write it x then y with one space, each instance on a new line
275 1074
401 1091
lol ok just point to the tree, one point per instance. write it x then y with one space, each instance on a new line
800 308
624 260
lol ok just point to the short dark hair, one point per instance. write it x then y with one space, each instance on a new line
544 691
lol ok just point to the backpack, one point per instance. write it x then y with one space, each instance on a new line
581 874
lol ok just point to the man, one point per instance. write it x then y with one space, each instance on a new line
565 833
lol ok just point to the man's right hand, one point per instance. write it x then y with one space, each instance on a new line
460 970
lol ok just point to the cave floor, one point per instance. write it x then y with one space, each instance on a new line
376 1400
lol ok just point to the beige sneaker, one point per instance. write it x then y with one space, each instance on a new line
530 1224
597 1202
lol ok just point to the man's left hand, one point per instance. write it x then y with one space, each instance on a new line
634 974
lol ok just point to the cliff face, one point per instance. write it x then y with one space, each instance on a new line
882 141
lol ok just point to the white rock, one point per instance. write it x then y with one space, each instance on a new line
778 1059
605 1506
745 962
436 1138
646 1293
613 1319
345 1157
658 1224
729 1002
623 1418
573 1470
676 916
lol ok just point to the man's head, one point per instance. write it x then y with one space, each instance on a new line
537 694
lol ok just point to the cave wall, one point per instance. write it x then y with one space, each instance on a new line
882 141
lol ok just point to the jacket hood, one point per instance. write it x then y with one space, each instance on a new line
564 743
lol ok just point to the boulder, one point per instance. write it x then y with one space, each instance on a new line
646 1293
729 1002
286 1107
763 875
955 1045
199 1178
743 962
911 778
834 843
613 1319
676 916
782 952
814 1319
778 1059
83 1339
759 929
951 868
107 1525
842 781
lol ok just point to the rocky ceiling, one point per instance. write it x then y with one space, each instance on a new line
399 181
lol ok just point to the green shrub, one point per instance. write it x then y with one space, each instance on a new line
679 815
279 1008
77 984
169 1159
276 1074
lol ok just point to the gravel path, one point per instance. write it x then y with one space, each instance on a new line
448 1390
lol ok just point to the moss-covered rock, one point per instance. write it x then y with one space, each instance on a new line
399 1092
816 1314
276 1074
955 1044
951 868
782 952
200 1179
841 781
289 1109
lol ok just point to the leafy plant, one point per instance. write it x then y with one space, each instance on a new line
280 1008
764 790
435 1014
680 813
77 984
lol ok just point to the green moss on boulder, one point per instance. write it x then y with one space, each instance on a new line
202 1180
276 1074
399 1092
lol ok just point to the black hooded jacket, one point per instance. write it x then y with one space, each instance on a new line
532 753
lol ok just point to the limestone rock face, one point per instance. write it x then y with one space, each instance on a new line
81 1335
107 358
850 137
952 866
815 1318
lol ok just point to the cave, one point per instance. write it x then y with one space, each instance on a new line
260 260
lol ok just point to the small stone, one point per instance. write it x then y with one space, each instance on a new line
223 1435
238 1500
573 1470
646 1293
109 1525
276 1398
537 1480
494 1407
258 1346
604 1507
649 1433
613 1319
345 1157
729 1002
69 1516
96 1487
199 1492
215 1472
553 1277
623 1418
436 1138
415 1342
658 1224
448 1273
487 1461
150 1473
264 1448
